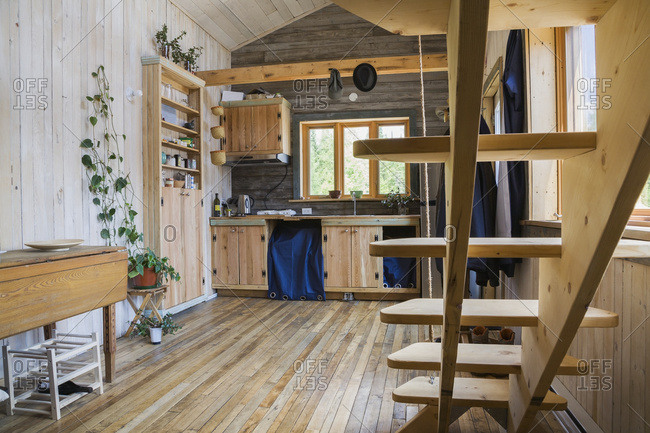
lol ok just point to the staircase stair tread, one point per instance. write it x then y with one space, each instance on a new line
485 312
468 391
496 247
472 358
491 147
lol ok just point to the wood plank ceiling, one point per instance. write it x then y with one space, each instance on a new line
235 23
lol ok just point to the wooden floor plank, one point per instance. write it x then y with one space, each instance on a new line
231 368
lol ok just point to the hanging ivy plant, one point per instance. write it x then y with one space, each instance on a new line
108 182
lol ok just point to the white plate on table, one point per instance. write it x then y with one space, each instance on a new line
55 244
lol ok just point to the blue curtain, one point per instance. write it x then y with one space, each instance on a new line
295 259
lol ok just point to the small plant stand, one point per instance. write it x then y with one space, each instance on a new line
153 298
54 361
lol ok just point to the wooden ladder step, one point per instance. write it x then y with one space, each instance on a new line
500 147
485 312
469 392
495 248
472 358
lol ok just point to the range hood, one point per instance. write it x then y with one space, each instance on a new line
263 159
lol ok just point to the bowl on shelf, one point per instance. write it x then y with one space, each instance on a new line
179 183
218 132
335 193
357 194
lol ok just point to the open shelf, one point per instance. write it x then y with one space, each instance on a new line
173 167
179 107
495 248
472 358
486 312
491 147
468 392
180 147
177 128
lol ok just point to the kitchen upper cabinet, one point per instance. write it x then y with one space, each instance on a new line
239 255
347 257
259 126
180 240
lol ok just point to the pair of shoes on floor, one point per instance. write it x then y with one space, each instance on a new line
480 335
66 388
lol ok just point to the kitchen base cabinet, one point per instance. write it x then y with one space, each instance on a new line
347 259
240 248
239 255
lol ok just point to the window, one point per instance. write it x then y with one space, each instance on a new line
329 163
583 101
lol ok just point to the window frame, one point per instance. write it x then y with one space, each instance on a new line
339 154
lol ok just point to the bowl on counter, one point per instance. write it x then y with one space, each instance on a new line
335 193
356 194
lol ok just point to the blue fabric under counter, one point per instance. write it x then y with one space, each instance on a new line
295 260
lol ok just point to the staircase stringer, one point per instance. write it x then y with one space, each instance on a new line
466 46
599 192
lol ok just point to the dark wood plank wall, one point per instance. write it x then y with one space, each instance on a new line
333 33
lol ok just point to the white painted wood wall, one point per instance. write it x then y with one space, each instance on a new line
43 187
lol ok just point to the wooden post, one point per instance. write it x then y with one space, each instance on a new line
49 331
110 342
466 45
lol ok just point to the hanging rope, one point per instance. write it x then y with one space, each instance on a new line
427 208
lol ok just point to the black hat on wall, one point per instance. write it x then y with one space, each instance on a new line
335 84
365 77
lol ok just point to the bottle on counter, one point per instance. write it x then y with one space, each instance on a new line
216 211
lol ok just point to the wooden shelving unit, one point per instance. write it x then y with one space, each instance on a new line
167 207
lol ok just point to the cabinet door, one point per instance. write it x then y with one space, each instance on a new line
192 233
172 244
366 270
225 256
252 255
337 247
265 130
237 129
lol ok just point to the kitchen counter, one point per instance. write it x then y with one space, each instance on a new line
326 220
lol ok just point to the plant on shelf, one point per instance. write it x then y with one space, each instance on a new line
164 46
398 201
190 58
149 270
155 328
176 52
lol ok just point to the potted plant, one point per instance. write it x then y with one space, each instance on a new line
190 58
398 201
156 328
164 46
176 52
147 270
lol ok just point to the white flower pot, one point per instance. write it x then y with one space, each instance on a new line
156 335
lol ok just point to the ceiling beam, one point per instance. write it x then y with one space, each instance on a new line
320 69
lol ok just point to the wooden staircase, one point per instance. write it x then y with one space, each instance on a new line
603 175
